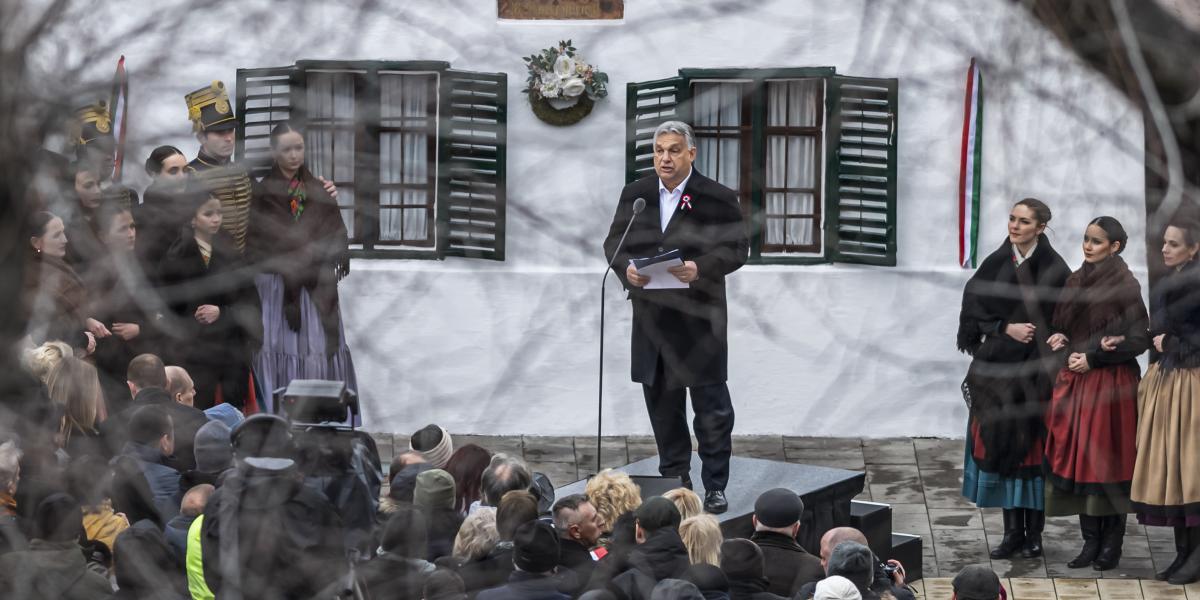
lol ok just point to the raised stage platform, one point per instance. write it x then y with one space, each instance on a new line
826 492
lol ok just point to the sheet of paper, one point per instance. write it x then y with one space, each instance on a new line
660 277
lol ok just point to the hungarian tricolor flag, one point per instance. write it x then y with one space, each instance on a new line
117 102
971 167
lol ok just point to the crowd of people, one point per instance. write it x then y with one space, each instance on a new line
1061 420
163 501
230 278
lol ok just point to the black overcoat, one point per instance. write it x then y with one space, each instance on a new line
685 329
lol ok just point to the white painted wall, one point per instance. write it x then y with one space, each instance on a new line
508 348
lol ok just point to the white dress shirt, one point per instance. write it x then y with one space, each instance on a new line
1017 253
668 200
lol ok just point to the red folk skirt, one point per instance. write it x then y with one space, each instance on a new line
1091 441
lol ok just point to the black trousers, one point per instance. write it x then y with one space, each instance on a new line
713 424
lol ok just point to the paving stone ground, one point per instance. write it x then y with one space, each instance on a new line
921 479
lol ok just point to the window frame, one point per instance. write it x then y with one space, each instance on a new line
367 131
758 162
466 178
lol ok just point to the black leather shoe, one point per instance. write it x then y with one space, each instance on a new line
715 502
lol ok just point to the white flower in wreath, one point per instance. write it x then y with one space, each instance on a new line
573 87
550 90
549 78
564 66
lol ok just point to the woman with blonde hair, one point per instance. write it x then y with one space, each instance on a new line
41 360
74 389
687 501
613 493
701 535
477 536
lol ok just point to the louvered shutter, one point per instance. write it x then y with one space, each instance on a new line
861 164
264 99
647 105
473 135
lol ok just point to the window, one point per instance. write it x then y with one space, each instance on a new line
416 149
811 155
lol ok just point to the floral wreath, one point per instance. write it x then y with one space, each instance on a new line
558 73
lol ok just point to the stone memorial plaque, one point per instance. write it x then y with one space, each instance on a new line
561 9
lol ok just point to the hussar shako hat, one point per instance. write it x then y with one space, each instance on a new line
209 109
92 122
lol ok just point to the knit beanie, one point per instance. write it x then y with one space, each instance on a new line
741 559
434 444
213 450
853 561
434 489
535 547
836 587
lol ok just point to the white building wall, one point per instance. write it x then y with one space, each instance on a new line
511 348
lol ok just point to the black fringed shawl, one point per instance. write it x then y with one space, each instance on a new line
311 252
1008 380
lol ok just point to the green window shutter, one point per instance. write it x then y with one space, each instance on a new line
472 133
860 196
648 104
264 99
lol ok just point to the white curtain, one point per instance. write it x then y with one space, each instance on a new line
405 168
719 104
792 161
330 144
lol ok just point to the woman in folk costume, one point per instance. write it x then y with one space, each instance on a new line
213 317
1005 319
1166 477
1100 328
298 243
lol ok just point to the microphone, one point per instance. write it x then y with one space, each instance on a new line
639 205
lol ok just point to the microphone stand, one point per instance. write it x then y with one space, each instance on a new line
638 206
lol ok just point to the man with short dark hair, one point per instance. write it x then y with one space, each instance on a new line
535 555
147 381
504 474
660 553
578 528
679 344
976 582
776 522
151 441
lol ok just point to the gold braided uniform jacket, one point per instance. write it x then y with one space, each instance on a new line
232 185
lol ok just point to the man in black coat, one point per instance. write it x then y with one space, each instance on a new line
147 379
679 340
787 565
578 528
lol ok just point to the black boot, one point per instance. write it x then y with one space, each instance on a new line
1014 533
1189 572
1112 538
1035 522
1181 554
1089 526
